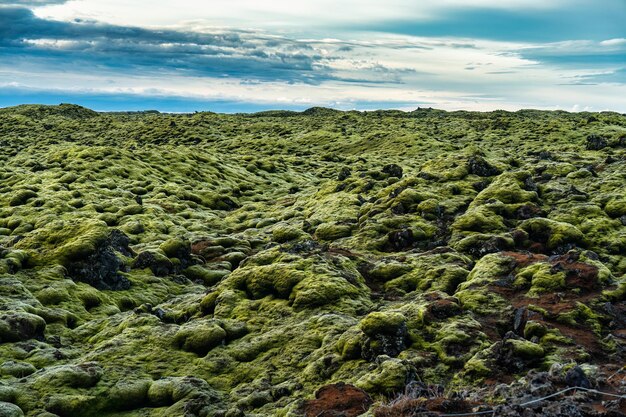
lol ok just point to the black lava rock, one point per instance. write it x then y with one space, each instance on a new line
344 173
576 377
393 170
101 269
596 142
401 239
477 165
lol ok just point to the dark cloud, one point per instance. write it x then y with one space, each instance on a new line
234 53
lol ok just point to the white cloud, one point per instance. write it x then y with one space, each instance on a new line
614 42
286 14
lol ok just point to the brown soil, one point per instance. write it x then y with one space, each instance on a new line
338 400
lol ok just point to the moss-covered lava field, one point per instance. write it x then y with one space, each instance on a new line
234 265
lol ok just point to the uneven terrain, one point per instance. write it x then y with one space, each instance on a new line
236 265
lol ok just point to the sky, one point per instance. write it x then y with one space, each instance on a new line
253 55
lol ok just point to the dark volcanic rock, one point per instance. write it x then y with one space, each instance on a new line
477 165
19 326
102 268
596 142
393 170
576 377
401 239
159 265
344 173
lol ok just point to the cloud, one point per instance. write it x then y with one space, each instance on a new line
32 3
250 56
302 16
446 67
224 53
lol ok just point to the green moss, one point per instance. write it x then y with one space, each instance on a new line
480 219
385 271
332 231
200 337
160 393
618 294
65 241
320 290
52 295
283 233
616 208
581 314
260 281
10 410
534 328
477 368
69 405
553 233
382 323
175 248
207 276
128 395
541 277
90 298
18 326
389 378
21 197
526 349
17 369
296 261
482 302
84 375
506 188
349 344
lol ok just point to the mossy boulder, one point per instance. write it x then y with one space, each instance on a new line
389 378
525 349
263 280
320 290
160 393
18 326
67 405
128 395
332 231
552 233
386 334
282 233
90 252
176 248
508 188
17 369
10 410
382 323
21 197
155 260
480 219
207 276
616 208
387 270
200 337
84 375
